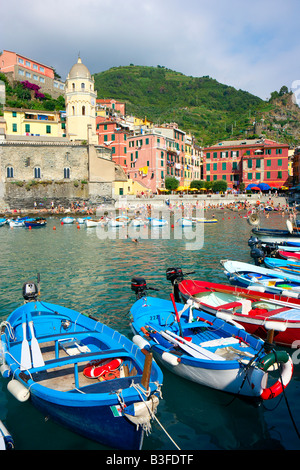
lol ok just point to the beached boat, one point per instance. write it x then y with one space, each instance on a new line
202 348
81 373
67 220
258 312
260 278
35 223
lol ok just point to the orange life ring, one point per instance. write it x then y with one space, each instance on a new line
284 359
97 369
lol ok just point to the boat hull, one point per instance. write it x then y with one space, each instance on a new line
100 423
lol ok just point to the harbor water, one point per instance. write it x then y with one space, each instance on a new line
80 270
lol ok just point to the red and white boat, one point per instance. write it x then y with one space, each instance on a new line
257 312
291 255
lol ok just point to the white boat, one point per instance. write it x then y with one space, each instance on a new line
186 222
118 222
67 220
94 223
158 222
139 222
81 220
16 223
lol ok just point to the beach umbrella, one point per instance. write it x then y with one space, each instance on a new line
250 186
181 188
264 186
255 188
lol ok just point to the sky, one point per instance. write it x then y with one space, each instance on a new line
250 45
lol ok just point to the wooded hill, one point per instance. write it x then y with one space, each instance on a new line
209 110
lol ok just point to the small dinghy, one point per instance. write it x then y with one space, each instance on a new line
154 222
50 351
205 349
67 220
285 265
36 223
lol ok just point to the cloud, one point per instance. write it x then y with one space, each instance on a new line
249 45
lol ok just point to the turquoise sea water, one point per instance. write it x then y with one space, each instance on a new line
81 271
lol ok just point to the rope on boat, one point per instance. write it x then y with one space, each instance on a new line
137 388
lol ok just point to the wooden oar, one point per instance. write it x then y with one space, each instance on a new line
37 357
191 348
25 350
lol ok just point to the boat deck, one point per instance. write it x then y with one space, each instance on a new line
60 378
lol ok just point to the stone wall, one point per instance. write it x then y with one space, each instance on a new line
52 158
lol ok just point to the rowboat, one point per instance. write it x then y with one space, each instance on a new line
118 222
260 278
139 222
277 235
286 266
16 223
81 220
2 222
80 372
290 255
154 222
67 220
94 223
35 223
204 349
257 312
6 440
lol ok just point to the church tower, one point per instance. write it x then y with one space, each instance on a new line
81 104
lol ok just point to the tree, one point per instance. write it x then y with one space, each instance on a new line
198 184
219 185
171 183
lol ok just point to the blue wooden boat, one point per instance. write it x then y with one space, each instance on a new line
81 373
3 221
286 266
35 223
202 348
261 279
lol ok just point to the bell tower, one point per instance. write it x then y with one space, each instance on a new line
81 104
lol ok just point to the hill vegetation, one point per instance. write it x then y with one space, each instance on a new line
202 106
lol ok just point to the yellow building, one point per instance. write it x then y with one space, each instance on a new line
80 99
34 122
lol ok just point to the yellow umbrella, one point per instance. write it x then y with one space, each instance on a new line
193 189
181 188
203 189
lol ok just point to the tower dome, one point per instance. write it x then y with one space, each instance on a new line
79 70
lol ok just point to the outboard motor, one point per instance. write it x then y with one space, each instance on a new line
253 241
258 255
174 274
139 286
30 291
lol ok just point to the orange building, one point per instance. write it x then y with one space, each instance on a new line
20 68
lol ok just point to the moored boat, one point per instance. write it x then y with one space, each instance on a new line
36 223
205 349
285 265
260 278
6 440
67 220
155 222
48 349
258 312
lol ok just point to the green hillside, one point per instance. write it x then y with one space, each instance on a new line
208 109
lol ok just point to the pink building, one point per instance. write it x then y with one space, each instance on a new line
113 136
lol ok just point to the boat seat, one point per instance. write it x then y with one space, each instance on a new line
73 346
246 305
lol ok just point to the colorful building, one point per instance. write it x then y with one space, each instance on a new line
32 122
247 161
20 68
